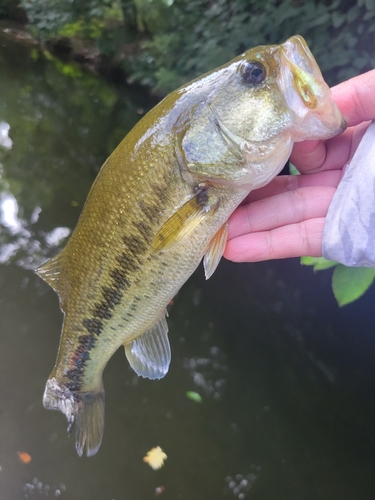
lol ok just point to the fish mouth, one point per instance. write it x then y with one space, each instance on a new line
306 75
306 92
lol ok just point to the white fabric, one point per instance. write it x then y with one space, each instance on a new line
349 229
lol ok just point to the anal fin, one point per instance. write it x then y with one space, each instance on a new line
215 251
150 354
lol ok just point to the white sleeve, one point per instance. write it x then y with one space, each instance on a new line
349 229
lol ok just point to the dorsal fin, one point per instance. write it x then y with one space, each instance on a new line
50 271
150 354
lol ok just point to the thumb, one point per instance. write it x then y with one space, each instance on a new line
308 156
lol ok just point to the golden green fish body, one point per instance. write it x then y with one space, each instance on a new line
160 203
116 283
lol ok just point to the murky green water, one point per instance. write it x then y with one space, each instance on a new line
286 378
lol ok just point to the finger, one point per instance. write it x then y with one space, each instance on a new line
328 155
356 98
294 240
308 156
285 183
281 210
312 156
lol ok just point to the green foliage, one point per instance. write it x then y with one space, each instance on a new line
348 283
151 13
293 170
318 263
48 17
92 30
202 35
179 40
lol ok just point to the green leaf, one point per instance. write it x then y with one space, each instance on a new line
309 261
194 396
350 283
293 170
319 263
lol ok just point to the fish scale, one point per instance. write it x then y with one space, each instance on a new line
160 203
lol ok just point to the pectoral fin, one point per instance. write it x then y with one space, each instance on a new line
150 354
215 251
182 222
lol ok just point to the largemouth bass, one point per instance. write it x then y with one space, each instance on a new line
160 204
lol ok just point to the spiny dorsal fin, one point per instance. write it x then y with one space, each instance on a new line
50 271
150 354
215 251
182 222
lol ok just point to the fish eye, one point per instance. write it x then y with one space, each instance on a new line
253 72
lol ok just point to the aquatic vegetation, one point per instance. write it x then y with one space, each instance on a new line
348 283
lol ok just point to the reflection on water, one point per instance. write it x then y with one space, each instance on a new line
37 489
5 141
240 485
14 235
286 378
18 242
9 212
208 373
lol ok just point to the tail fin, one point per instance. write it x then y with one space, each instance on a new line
84 409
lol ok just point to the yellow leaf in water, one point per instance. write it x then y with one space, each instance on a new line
155 458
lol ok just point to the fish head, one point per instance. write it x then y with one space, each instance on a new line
255 108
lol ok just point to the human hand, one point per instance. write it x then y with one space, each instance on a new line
286 217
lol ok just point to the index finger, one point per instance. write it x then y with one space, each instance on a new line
311 156
356 98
